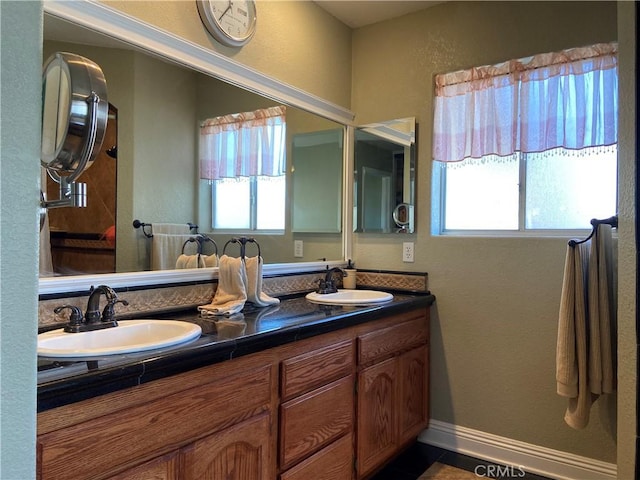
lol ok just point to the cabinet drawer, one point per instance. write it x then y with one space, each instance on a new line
310 370
312 421
148 430
334 462
385 342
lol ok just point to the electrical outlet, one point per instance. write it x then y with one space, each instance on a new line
407 251
298 248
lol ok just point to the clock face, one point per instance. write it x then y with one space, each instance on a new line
231 22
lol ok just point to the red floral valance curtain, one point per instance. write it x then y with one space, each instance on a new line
243 145
566 99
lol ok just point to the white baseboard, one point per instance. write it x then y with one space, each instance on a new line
505 451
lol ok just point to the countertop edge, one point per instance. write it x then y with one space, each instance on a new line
91 384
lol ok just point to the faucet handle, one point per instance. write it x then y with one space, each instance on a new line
108 314
76 321
76 314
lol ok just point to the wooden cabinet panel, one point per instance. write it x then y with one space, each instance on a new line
377 417
124 438
240 452
334 462
309 370
315 419
163 468
388 341
414 393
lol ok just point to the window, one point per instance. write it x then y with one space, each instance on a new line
528 145
243 155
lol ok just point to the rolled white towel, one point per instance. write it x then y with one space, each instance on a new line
189 261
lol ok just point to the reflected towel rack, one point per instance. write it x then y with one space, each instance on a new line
138 224
200 239
613 221
243 245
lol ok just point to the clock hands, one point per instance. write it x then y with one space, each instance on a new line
226 10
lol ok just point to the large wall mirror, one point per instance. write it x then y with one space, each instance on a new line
384 176
151 155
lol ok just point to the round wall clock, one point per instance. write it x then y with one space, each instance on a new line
231 22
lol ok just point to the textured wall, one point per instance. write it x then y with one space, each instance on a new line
627 348
495 320
21 66
296 42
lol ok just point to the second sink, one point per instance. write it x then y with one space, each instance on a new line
350 297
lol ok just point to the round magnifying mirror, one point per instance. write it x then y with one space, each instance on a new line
401 215
74 114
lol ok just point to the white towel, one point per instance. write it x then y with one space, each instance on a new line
190 261
231 293
584 360
254 284
209 261
165 250
170 228
601 314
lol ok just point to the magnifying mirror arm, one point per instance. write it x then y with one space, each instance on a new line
72 194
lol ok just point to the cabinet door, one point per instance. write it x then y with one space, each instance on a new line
377 418
162 468
413 408
241 452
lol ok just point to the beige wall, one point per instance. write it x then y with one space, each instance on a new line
296 42
495 320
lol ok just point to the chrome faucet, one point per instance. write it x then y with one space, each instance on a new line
92 319
328 284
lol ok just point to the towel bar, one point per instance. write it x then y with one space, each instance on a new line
200 239
613 221
138 224
243 245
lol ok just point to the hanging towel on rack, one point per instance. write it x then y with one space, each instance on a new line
165 250
254 283
231 293
170 228
190 261
209 261
584 360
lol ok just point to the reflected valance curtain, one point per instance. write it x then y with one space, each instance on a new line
243 144
566 99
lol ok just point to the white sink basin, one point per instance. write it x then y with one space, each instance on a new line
128 337
350 297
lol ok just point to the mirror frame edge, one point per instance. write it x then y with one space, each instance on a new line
114 23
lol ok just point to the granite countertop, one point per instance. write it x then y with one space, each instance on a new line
252 330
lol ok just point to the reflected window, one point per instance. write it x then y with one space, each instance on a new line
243 155
249 203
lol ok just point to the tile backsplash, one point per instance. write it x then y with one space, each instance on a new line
163 298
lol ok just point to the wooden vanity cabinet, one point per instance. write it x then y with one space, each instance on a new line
336 406
392 394
160 429
317 413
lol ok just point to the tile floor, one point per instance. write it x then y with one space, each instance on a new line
414 461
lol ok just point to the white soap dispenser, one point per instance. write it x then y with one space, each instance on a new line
349 280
